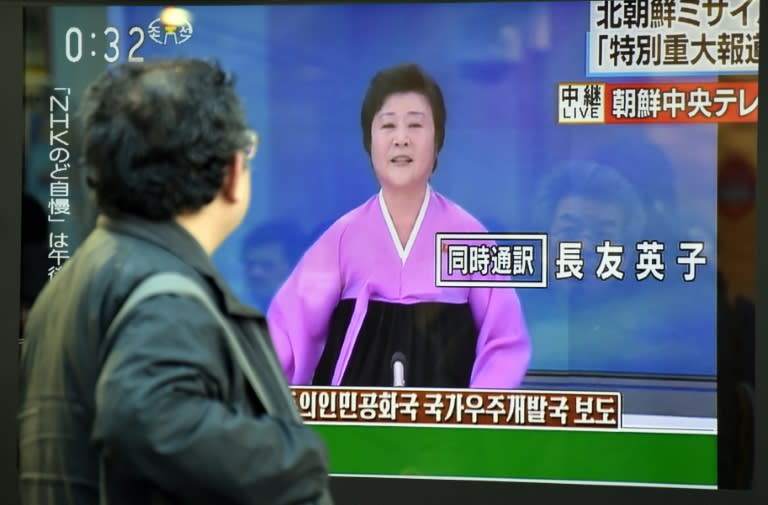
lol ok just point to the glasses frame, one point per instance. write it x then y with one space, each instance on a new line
253 145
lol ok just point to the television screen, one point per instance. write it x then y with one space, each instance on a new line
565 297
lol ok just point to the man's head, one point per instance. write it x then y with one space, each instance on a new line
645 165
403 124
589 203
166 139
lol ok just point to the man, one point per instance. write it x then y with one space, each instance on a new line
162 407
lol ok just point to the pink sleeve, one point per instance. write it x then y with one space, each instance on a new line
503 350
300 312
503 344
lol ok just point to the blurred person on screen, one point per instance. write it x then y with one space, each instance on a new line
588 203
365 292
584 203
269 252
161 413
595 324
671 217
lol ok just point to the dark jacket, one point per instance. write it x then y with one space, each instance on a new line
164 401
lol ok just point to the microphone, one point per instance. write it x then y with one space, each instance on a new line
398 369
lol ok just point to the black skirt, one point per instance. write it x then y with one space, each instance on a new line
438 341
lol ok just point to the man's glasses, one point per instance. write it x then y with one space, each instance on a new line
253 144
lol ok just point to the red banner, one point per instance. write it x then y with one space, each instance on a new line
733 102
600 103
460 407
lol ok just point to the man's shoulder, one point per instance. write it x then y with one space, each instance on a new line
127 260
108 266
75 309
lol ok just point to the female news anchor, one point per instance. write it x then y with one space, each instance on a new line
365 291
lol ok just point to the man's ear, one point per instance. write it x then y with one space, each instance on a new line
234 178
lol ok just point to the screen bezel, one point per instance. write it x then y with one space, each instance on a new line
346 489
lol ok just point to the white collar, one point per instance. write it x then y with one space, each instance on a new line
404 251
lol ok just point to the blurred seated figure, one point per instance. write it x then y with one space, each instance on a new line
270 252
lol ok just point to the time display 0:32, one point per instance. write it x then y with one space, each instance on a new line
76 44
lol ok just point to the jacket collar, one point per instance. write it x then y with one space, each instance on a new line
172 237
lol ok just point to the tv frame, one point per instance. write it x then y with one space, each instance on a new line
346 490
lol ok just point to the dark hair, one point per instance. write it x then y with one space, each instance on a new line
646 165
595 182
403 78
159 135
